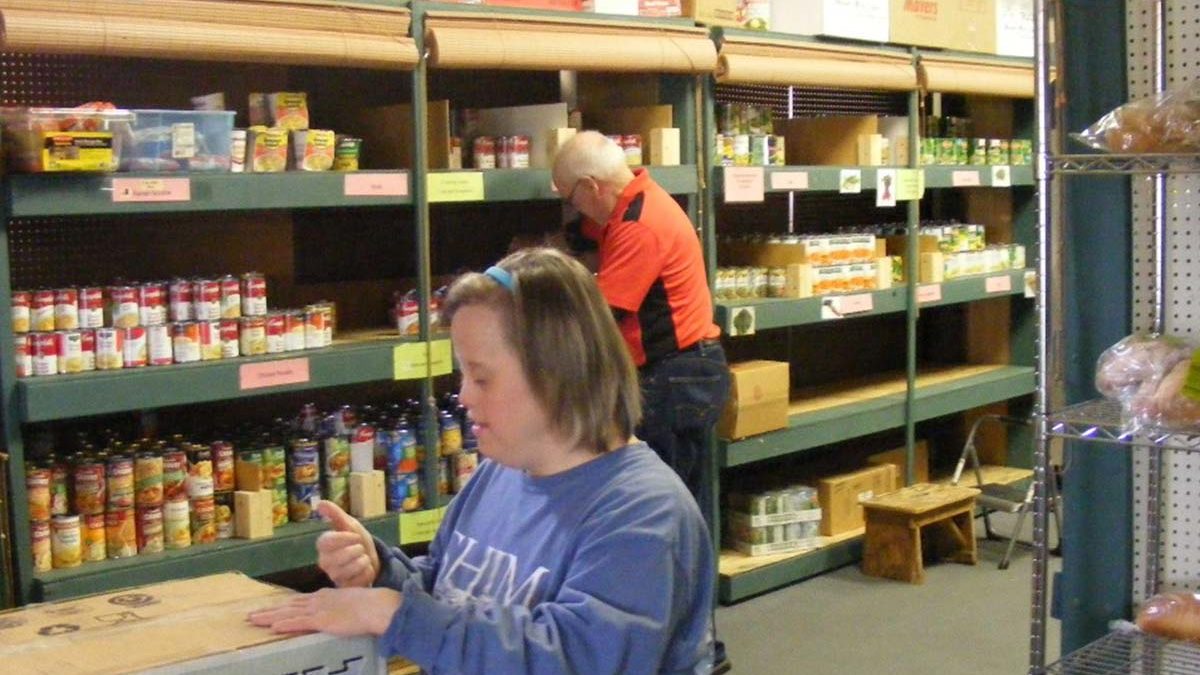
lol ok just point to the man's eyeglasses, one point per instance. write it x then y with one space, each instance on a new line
570 198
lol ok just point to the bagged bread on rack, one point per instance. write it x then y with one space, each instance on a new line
1168 122
1172 615
1145 373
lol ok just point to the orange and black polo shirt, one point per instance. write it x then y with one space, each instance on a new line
652 272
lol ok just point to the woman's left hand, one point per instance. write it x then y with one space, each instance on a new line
338 611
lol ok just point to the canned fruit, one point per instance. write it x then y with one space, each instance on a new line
66 542
302 502
177 532
120 528
39 535
21 318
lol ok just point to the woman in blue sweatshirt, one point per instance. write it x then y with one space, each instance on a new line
574 548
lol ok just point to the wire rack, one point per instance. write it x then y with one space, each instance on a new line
1103 421
1126 164
1131 652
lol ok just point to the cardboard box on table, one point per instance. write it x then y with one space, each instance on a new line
186 626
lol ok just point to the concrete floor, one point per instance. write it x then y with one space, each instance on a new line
963 619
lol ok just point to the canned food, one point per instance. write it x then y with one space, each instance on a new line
293 330
159 344
153 300
200 482
465 464
135 352
185 341
337 490
23 350
404 490
120 482
37 490
274 466
203 513
175 472
254 294
231 297
210 340
335 459
632 145
759 151
95 538
69 347
120 529
177 528
90 495
42 310
444 471
503 152
91 307
999 151
150 530
87 349
179 294
330 324
45 354
66 309
741 150
124 308
303 463
253 338
110 348
346 152
518 152
279 505
222 466
483 152
21 320
276 329
961 151
66 543
147 480
314 327
249 470
230 338
39 535
224 514
60 503
302 501
206 299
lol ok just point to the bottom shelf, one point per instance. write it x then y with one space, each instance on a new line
743 576
1131 652
1002 475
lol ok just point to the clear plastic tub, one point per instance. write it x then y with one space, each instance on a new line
64 139
179 140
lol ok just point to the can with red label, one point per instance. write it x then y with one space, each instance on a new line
121 533
293 330
39 535
632 145
179 299
206 299
518 152
177 530
41 310
69 346
210 340
20 311
230 336
124 310
223 466
24 354
135 352
253 335
45 354
330 320
95 544
204 520
314 327
90 494
60 503
150 529
231 297
153 300
483 152
87 347
254 294
37 493
174 476
276 329
66 309
91 307
158 344
110 348
119 481
503 152
185 341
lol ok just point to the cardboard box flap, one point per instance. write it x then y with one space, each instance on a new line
758 381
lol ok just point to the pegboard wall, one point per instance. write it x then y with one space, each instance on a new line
1178 524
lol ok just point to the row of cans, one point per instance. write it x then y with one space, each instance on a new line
750 150
996 258
976 151
148 304
75 351
500 152
744 118
631 145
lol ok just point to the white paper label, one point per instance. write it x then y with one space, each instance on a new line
183 140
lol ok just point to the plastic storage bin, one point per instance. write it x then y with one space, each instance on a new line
64 139
179 140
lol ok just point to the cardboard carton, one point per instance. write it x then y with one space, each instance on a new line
897 459
829 141
712 12
624 7
841 496
758 399
1014 28
854 19
965 25
190 625
664 147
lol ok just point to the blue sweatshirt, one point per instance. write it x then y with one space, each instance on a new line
605 568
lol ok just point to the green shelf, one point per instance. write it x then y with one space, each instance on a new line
58 397
953 390
516 185
828 178
735 587
784 312
53 195
937 177
291 547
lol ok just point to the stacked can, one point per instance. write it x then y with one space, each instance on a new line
223 486
745 137
201 488
335 468
40 497
275 479
403 478
303 479
148 498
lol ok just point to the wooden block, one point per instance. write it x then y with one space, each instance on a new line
798 281
252 514
932 268
870 150
883 273
664 147
368 498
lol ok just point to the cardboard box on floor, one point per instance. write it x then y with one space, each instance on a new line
758 399
189 625
841 496
898 459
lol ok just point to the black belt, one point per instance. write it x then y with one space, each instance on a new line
702 344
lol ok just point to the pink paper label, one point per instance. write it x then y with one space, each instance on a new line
273 373
789 180
856 304
376 185
151 190
999 284
929 293
744 184
965 179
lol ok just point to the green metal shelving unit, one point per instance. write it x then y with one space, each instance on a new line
514 185
828 178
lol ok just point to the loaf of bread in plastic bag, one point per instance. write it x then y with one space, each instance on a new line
1172 615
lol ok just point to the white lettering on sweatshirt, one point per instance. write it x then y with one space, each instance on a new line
490 575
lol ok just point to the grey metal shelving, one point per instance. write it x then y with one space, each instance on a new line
1131 652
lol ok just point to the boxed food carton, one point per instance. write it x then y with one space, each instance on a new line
828 141
660 8
841 497
898 459
712 12
188 625
778 521
625 7
965 25
758 399
1014 28
854 19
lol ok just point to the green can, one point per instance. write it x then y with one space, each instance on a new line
998 152
279 504
962 151
945 151
979 151
275 467
337 490
929 151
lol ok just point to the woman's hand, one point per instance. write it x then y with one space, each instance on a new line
345 612
347 552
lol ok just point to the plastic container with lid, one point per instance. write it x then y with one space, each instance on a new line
40 140
180 140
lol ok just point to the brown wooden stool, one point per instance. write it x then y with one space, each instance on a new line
893 546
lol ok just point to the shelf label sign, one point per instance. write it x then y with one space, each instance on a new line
789 180
744 184
414 360
998 284
840 306
456 186
885 187
929 293
419 527
441 359
1001 176
741 321
393 184
910 184
273 373
965 179
850 181
128 190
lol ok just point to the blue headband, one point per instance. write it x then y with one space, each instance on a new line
502 277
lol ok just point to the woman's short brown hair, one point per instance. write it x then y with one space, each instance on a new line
570 348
